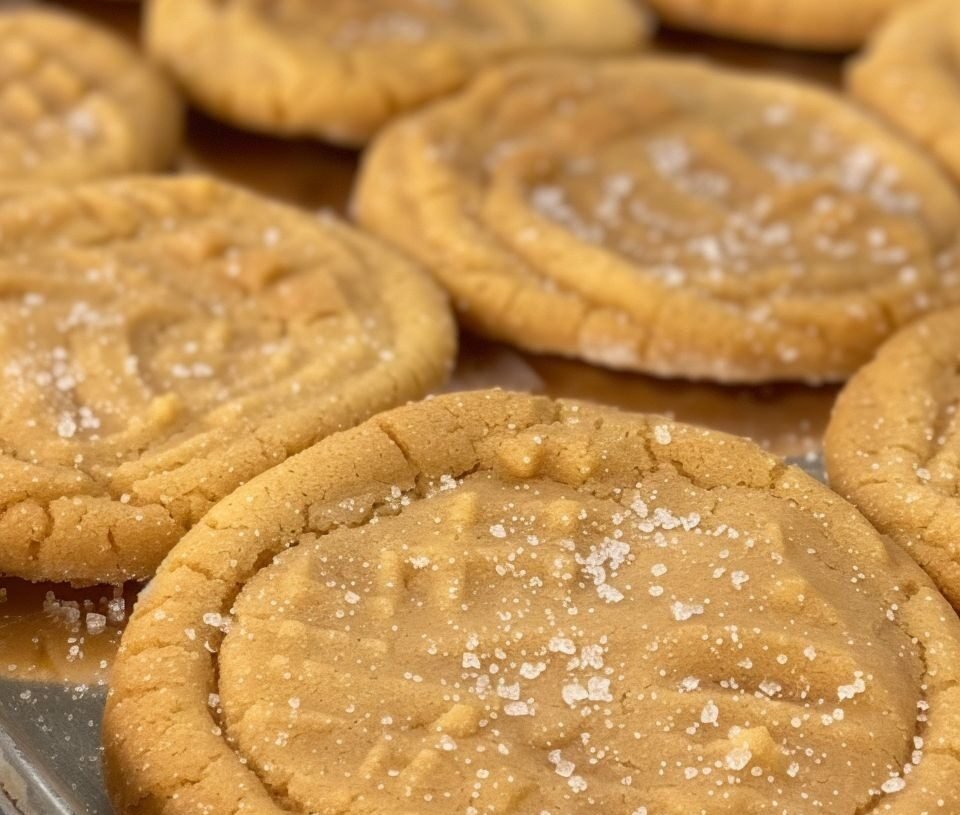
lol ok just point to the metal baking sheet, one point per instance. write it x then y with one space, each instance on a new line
50 749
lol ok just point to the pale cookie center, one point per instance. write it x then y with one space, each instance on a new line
767 205
529 647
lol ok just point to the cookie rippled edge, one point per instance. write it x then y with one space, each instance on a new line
342 72
253 649
891 445
908 74
666 216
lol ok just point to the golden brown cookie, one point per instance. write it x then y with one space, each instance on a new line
828 25
77 103
495 603
340 69
667 216
892 446
910 74
162 341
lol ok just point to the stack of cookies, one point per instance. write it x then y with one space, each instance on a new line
493 602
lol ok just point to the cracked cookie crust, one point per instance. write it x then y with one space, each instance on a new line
668 217
77 103
828 25
341 69
496 603
892 445
162 341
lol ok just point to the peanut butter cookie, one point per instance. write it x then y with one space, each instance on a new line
910 74
828 25
668 217
893 444
162 341
77 103
494 603
340 69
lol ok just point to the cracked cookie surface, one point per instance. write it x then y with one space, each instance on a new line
496 603
667 216
341 69
77 103
830 25
892 446
910 75
164 340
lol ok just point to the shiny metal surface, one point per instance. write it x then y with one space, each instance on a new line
50 749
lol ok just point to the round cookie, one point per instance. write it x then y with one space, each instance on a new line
495 603
341 69
77 103
892 445
666 216
827 25
909 74
164 340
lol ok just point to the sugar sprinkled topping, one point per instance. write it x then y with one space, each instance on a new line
684 611
661 434
583 648
699 199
